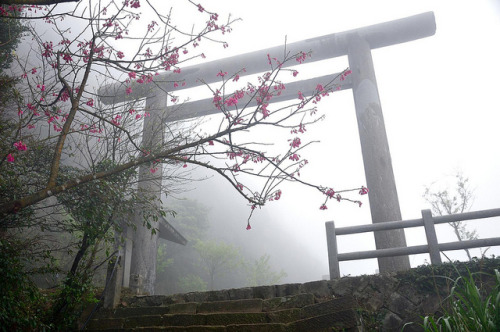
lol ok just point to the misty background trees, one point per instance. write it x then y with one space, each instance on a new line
210 261
454 197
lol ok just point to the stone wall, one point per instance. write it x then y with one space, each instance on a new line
385 302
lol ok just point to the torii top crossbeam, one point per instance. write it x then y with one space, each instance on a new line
322 48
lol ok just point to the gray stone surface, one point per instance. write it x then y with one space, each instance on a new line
387 301
264 292
287 302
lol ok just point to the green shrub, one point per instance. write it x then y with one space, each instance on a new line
469 307
21 303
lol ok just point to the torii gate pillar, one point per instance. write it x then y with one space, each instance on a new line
384 203
145 247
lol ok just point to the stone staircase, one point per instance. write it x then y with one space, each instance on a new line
250 309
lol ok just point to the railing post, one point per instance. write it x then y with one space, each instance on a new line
331 242
114 279
430 232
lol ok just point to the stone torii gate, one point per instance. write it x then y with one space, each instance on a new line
357 45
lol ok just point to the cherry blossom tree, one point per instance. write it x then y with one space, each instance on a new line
57 119
130 43
34 2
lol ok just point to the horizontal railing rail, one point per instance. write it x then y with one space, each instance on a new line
433 248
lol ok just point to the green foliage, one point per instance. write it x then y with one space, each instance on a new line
191 283
11 31
259 273
217 258
69 302
175 261
470 308
21 303
191 219
443 274
99 200
176 264
163 262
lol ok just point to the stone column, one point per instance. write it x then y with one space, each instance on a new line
144 250
384 203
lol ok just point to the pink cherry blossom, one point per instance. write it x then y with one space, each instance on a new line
323 207
330 193
20 146
363 190
10 158
295 143
48 49
67 57
232 101
301 57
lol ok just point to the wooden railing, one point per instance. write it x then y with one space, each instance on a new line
433 248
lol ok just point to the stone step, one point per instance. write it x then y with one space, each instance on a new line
212 319
345 320
251 305
246 305
318 289
204 328
243 313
